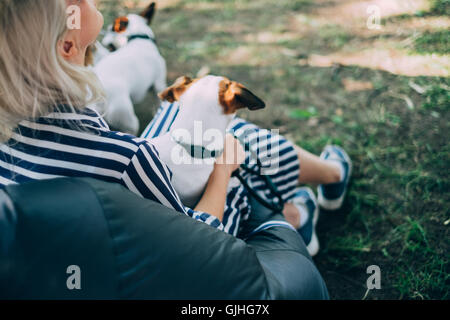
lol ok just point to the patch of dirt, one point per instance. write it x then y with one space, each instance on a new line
352 85
393 61
161 4
351 13
385 48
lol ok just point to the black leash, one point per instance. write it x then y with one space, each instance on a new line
198 151
276 206
201 152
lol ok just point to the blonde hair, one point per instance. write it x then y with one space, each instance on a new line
34 78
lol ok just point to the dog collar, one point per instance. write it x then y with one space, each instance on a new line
198 152
141 36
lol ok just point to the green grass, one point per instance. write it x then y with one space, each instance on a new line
437 8
397 210
440 7
433 42
424 272
437 98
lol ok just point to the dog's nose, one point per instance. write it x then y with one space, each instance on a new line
112 47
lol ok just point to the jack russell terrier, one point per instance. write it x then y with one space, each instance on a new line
128 73
196 137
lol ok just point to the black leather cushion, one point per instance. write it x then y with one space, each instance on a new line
289 269
132 248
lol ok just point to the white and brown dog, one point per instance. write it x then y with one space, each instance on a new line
134 66
196 137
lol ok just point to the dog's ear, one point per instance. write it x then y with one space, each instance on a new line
234 96
149 12
174 92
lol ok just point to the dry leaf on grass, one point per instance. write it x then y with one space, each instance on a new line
351 85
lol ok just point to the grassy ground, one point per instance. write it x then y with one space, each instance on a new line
395 127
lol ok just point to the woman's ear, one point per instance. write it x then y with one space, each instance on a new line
67 49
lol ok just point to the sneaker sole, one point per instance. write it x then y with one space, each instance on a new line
313 247
336 203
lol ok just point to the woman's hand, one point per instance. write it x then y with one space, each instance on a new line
215 195
232 157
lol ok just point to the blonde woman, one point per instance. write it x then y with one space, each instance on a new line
48 130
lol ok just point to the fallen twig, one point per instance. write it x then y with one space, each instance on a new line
405 98
416 87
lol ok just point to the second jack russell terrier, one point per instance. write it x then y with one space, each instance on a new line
207 106
128 73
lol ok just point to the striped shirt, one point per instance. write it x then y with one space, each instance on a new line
72 143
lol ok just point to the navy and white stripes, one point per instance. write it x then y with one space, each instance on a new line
71 143
162 121
79 144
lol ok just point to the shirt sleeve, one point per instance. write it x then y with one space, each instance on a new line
150 178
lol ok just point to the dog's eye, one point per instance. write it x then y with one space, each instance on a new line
120 24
